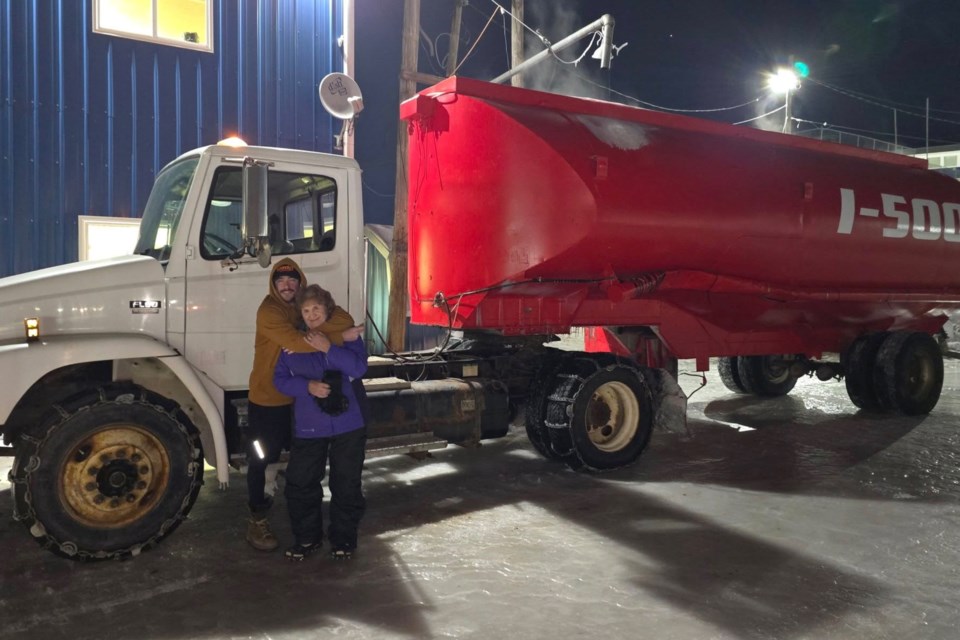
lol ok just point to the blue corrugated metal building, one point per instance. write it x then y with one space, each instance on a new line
88 119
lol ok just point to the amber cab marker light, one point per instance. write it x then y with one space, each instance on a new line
232 141
32 328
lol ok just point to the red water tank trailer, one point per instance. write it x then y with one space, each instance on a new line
531 213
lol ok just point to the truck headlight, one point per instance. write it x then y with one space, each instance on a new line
32 328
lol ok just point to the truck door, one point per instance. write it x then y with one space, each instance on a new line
307 214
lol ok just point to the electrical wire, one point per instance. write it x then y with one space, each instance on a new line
703 382
502 9
876 103
586 50
377 193
836 127
402 357
859 94
659 107
506 39
764 115
479 37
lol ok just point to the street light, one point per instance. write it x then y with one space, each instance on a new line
784 81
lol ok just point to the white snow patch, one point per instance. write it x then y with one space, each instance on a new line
628 136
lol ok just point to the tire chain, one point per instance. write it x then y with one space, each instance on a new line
574 374
69 549
536 408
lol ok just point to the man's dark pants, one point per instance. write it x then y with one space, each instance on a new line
271 427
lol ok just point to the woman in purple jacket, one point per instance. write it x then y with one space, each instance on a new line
327 424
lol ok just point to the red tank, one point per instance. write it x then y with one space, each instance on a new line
531 213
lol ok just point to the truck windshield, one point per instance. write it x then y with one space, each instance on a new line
162 213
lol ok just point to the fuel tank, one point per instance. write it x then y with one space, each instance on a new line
532 212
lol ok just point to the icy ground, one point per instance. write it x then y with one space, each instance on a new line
788 518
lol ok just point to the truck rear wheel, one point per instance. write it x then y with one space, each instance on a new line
107 474
729 375
600 416
861 362
766 375
909 373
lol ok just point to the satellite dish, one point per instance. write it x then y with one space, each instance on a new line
340 96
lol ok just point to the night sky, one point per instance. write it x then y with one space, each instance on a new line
868 59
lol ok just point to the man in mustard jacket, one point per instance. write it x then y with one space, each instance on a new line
270 416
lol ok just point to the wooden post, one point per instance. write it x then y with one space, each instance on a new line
397 315
516 41
455 37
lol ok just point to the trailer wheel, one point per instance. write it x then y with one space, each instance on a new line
861 363
766 375
729 375
535 413
600 417
107 474
909 373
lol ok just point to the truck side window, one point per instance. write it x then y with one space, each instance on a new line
310 222
301 218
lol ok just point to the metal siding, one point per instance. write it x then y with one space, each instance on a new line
87 120
6 143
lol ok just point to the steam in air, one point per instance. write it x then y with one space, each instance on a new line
555 20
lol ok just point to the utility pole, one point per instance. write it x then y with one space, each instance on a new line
516 40
397 315
786 113
455 37
349 68
896 142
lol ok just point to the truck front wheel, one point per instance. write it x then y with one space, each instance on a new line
599 417
107 474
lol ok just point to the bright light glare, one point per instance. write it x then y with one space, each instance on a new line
232 141
784 81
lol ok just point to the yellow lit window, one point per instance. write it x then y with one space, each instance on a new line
181 23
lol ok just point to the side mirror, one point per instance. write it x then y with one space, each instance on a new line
254 206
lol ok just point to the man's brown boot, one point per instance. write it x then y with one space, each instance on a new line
259 534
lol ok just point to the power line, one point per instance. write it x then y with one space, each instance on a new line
659 107
477 41
768 113
895 105
829 126
876 103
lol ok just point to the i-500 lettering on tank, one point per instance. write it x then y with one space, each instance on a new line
923 219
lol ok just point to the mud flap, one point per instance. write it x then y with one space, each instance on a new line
669 402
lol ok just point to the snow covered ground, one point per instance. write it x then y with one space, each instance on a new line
795 517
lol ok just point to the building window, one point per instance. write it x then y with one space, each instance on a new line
181 23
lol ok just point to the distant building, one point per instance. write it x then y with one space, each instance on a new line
854 139
943 159
96 96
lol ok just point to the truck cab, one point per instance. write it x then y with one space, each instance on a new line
193 224
135 367
134 371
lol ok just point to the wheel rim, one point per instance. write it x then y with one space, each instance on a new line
114 476
775 369
612 416
918 376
